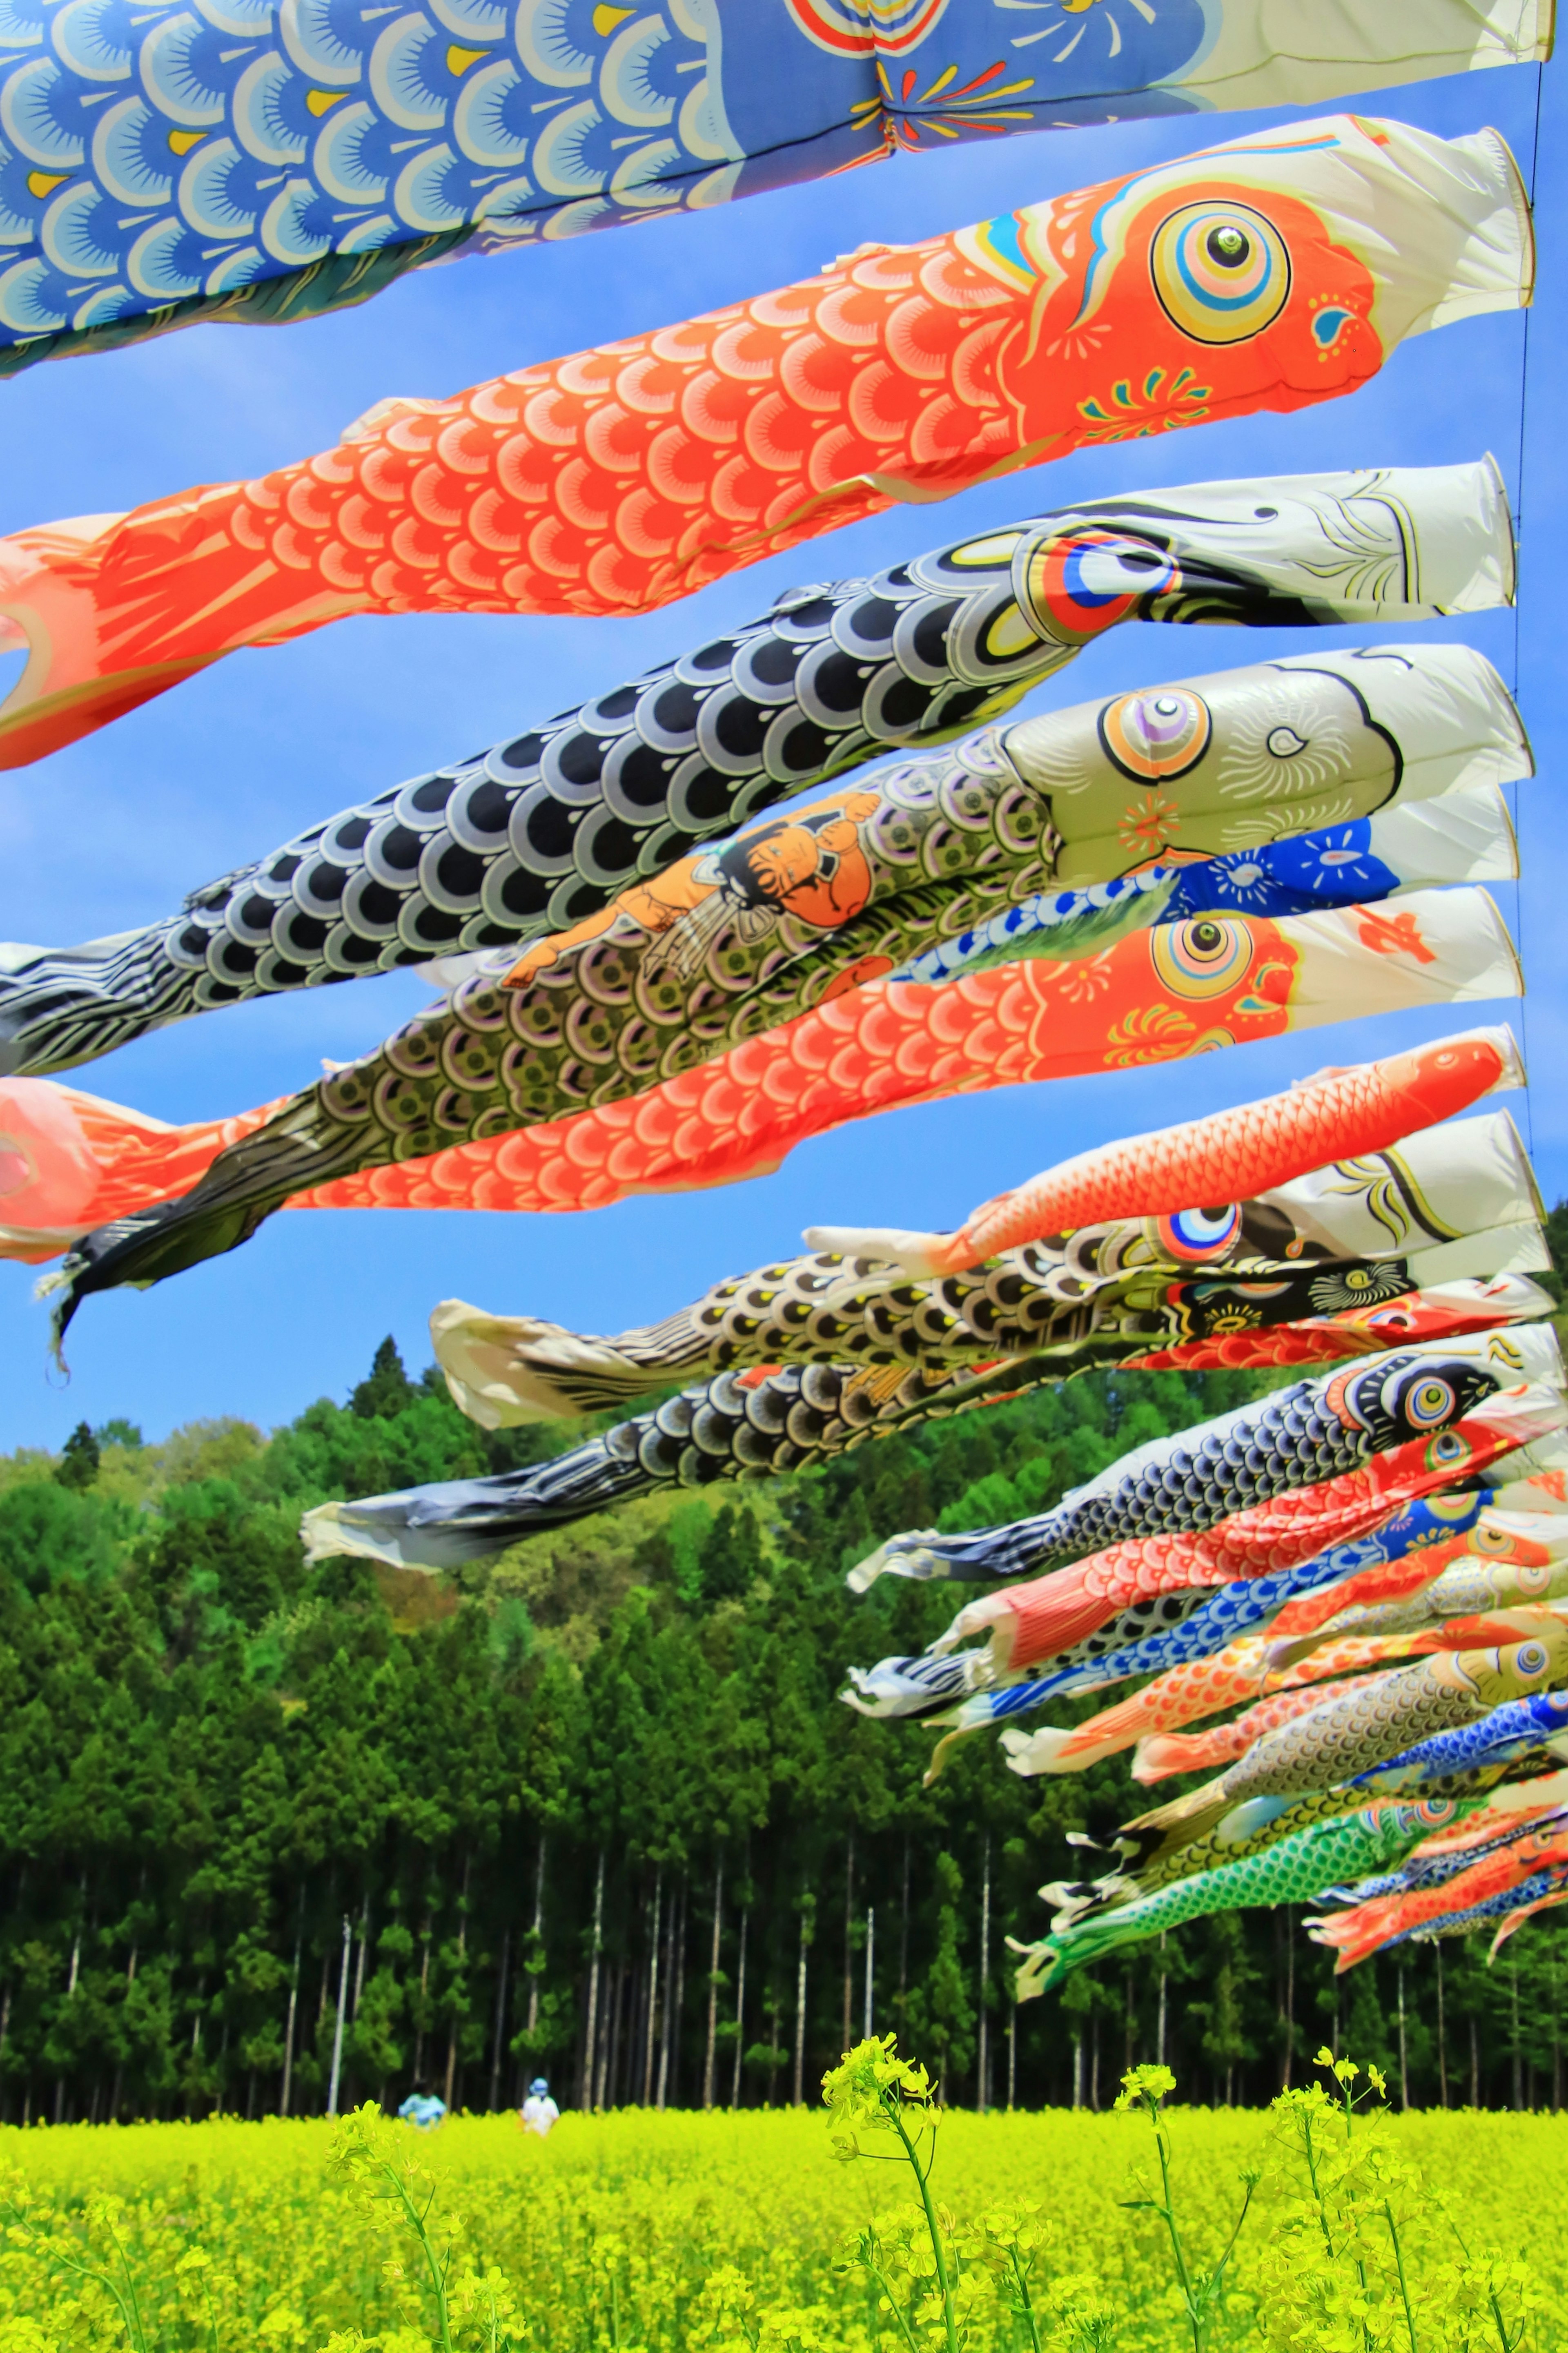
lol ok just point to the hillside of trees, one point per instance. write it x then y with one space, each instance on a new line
593 1809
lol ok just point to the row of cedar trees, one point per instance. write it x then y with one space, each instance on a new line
593 1811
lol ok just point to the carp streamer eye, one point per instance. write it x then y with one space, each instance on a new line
1080 582
1221 272
1447 1450
1428 1403
1193 1237
1204 958
1156 734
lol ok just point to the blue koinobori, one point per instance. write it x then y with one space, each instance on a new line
263 160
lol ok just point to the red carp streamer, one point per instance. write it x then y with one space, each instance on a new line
1359 1932
1198 1752
70 1162
1515 1920
1516 1801
1185 1694
1395 1581
1039 1620
1443 1311
1275 272
1228 1156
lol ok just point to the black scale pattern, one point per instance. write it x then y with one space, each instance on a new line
536 833
725 1428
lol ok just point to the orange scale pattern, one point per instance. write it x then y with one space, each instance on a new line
886 1045
1049 1614
624 477
1356 1934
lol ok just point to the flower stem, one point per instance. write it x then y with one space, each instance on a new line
1399 2267
950 2319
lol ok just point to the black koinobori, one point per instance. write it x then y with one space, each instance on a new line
536 833
729 1428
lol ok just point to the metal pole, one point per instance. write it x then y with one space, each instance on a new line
338 2029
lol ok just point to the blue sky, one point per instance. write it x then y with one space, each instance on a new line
115 830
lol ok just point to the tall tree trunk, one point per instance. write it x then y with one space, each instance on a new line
326 1981
1404 2047
364 1948
983 2066
590 2045
652 1991
338 2029
678 2007
289 2029
1289 1998
606 2070
1012 2056
70 1994
849 1940
423 1990
498 2039
1514 2036
1161 2012
129 1981
1442 2031
800 2016
740 2008
1077 2068
603 2086
870 2015
661 2081
622 2062
1094 2061
712 2045
535 1954
462 1956
637 2032
904 1940
1475 2066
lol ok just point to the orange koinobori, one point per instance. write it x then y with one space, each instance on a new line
1153 996
1270 273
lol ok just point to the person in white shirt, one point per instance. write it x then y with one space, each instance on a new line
539 2110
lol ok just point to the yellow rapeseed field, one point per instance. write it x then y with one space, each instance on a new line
656 2233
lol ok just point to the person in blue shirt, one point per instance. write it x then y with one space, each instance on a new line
423 2108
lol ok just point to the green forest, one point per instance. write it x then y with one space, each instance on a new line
592 1809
